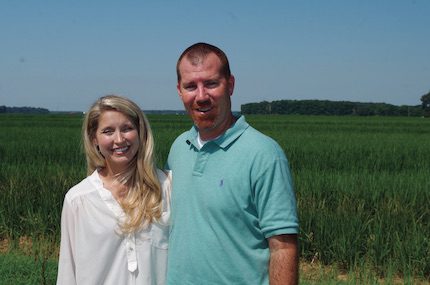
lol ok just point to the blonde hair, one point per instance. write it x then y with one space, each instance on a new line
143 202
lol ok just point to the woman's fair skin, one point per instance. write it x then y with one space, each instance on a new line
118 141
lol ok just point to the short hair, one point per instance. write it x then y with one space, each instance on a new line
198 51
143 202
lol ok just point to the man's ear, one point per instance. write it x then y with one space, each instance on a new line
231 81
178 88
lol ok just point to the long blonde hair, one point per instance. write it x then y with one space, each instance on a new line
143 202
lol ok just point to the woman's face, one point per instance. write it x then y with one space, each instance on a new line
117 138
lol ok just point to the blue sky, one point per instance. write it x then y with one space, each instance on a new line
62 55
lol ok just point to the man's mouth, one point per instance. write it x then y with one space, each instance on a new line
203 110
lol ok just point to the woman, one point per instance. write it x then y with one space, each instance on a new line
114 224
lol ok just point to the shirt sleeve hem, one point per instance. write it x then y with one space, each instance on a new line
283 231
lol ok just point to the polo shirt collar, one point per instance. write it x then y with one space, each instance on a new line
235 131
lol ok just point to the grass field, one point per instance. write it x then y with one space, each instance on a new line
362 186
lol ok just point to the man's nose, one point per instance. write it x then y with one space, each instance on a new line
202 94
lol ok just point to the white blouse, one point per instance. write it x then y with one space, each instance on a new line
94 251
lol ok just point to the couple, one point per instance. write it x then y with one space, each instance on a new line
232 218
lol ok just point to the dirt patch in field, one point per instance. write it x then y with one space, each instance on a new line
315 272
26 244
4 245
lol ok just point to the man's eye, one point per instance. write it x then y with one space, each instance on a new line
211 84
189 87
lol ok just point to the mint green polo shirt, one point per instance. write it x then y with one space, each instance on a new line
227 198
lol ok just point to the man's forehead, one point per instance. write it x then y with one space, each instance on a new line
200 58
196 59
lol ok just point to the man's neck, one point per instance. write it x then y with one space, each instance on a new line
208 136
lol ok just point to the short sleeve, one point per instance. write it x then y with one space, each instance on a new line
275 199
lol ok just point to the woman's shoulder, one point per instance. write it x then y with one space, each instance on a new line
85 186
164 176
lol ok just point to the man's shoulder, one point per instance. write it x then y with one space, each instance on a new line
182 136
181 139
178 150
258 141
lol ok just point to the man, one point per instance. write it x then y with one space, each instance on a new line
234 215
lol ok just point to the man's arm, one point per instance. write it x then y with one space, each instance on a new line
284 260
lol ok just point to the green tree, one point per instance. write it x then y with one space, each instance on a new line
425 99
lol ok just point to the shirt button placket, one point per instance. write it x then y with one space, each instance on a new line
131 253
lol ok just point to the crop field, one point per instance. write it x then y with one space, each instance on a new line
362 186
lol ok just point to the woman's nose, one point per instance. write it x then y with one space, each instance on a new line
119 136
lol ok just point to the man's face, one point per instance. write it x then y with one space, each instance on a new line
206 93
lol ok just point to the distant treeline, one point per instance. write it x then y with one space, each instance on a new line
32 110
165 112
326 107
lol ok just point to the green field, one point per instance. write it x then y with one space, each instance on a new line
362 185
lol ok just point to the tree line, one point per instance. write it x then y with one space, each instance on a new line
303 107
30 110
326 107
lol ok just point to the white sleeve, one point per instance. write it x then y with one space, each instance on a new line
166 188
66 265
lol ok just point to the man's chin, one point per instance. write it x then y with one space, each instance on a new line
204 121
206 126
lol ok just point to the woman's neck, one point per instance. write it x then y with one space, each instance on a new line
111 181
